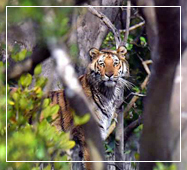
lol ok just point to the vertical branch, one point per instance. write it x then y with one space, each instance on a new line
127 22
119 138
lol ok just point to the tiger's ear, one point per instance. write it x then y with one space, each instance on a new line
121 51
94 52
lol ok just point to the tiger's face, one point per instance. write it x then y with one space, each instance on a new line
108 66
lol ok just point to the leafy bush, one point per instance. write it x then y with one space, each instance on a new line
30 142
29 137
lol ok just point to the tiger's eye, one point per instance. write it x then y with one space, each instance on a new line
102 64
116 63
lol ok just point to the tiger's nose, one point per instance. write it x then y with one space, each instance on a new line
110 74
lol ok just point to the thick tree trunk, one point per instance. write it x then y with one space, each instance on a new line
155 141
175 106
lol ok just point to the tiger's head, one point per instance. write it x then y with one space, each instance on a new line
107 67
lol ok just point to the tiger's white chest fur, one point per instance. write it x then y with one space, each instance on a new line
106 107
104 120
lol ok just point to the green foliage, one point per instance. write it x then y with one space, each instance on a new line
39 140
38 69
161 166
143 41
20 55
80 120
33 142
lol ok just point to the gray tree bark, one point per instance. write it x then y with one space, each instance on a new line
156 138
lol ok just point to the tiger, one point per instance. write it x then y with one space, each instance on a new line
103 84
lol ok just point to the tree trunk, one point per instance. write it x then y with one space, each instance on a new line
155 141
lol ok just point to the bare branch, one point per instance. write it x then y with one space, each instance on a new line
143 85
119 141
111 129
127 23
107 22
119 138
133 27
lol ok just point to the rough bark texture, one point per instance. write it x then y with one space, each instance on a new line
175 110
155 140
175 106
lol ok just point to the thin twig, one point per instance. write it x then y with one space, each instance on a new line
133 27
135 94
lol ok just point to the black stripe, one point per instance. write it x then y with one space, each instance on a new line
122 67
60 110
100 100
101 126
98 105
65 101
52 96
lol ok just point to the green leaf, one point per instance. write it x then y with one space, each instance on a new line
23 103
55 109
38 69
41 81
68 145
15 96
143 41
81 120
22 54
46 103
129 46
46 111
26 80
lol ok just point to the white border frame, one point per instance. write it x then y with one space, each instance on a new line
86 7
